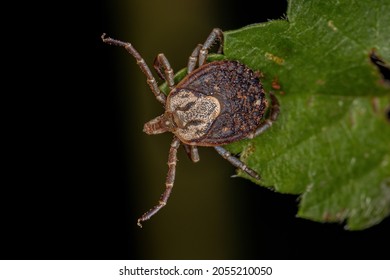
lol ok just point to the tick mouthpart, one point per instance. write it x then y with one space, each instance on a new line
158 125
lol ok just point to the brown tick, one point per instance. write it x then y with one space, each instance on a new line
215 104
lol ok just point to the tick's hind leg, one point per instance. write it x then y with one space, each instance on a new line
172 159
274 113
236 162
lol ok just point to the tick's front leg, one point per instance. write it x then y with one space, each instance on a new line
162 63
172 159
141 63
193 59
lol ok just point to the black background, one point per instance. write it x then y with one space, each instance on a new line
66 187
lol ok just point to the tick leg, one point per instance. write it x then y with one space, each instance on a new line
141 63
236 162
192 152
193 59
162 62
215 35
172 159
274 113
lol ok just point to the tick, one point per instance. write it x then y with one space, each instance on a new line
215 104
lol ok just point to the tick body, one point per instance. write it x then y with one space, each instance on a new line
217 103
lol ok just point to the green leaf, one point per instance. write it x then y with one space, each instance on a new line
331 142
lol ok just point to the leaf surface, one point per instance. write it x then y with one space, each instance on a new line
331 142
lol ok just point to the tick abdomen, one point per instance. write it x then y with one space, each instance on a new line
233 100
